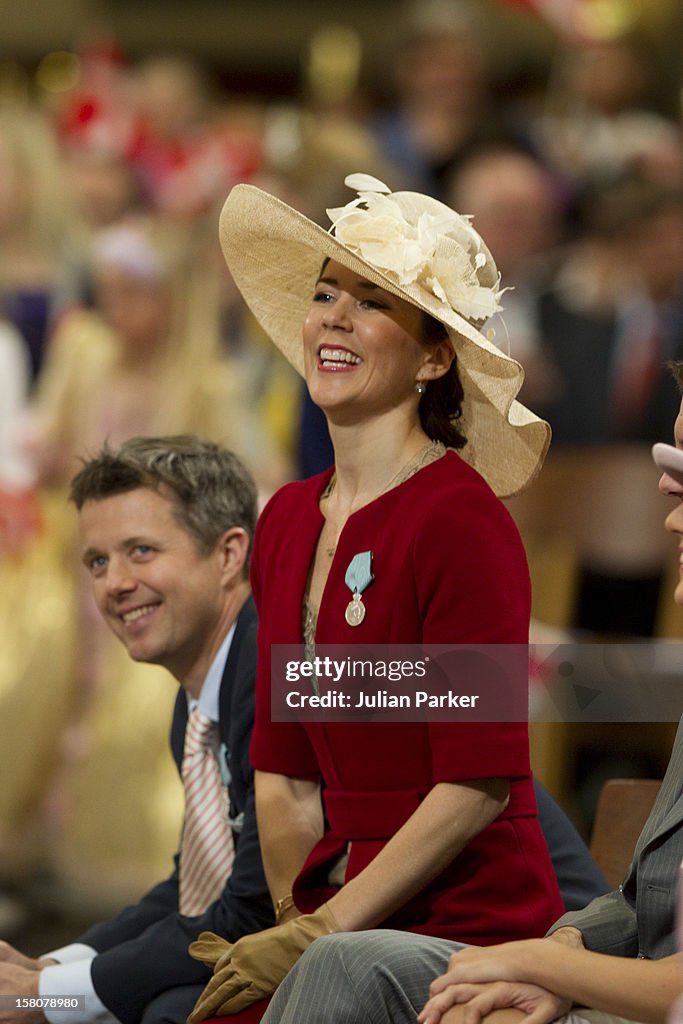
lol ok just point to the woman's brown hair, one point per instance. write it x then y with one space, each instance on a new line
441 405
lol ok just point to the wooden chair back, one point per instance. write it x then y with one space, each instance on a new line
623 808
595 506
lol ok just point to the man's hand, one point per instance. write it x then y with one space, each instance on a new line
541 1006
254 966
10 955
18 981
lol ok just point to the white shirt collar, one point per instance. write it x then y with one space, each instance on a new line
208 701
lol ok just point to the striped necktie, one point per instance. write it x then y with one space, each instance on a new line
207 851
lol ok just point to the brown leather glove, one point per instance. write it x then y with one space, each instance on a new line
254 966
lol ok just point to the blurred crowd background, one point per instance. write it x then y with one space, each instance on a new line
557 124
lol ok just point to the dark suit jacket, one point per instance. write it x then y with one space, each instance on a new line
639 918
143 951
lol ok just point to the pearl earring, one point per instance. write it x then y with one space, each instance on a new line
420 387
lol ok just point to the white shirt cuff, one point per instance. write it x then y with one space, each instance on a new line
73 979
67 954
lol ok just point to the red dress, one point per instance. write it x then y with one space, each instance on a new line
449 568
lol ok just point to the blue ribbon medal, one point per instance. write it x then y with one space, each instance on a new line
358 577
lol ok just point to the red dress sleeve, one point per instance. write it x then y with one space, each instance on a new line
474 588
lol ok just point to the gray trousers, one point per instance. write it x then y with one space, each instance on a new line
375 977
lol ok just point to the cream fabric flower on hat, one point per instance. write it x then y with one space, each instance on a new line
441 253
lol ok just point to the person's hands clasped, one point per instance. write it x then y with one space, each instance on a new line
254 966
541 1006
493 978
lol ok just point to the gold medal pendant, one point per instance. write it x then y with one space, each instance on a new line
355 611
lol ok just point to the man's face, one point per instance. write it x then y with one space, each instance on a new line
674 521
163 599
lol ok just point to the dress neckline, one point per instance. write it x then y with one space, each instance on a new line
309 614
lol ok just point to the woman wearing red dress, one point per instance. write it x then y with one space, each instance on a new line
428 827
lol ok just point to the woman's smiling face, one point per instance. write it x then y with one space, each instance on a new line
362 344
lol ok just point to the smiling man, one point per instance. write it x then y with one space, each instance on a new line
166 526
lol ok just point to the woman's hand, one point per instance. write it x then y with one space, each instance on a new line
478 1001
492 978
509 961
254 966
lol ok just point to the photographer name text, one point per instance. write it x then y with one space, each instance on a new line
380 699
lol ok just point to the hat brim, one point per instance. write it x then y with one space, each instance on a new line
669 460
275 255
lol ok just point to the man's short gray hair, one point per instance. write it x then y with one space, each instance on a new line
212 491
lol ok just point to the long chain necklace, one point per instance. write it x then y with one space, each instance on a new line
430 453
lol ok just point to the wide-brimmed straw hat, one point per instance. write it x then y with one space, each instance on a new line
418 249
